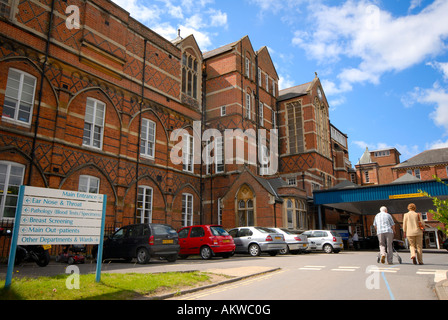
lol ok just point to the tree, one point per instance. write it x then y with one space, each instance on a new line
441 214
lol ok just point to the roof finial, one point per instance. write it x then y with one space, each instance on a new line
178 33
315 73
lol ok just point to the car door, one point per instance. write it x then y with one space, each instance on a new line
113 247
184 241
131 241
196 239
319 239
245 238
236 240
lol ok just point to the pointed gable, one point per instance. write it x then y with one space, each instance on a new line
265 62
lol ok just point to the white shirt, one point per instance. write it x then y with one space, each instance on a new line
383 223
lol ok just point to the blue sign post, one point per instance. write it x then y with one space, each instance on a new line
99 258
50 217
15 234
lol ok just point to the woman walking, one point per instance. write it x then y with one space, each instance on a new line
412 227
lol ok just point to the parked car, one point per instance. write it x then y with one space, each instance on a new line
255 240
328 241
372 242
206 240
296 243
141 241
445 244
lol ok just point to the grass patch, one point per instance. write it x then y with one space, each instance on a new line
113 286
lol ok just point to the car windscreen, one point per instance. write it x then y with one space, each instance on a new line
218 231
335 234
160 229
265 230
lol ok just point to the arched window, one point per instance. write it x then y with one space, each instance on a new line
144 204
11 178
190 74
296 217
245 207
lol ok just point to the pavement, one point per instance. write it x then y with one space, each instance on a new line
230 275
233 274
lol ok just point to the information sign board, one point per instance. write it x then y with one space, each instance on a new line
50 216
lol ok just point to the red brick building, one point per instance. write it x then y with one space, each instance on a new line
95 105
92 108
380 167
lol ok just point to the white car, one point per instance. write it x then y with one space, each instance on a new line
297 243
326 240
254 240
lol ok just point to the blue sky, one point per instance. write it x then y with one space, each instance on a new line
383 64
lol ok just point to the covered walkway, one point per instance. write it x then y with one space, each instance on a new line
367 200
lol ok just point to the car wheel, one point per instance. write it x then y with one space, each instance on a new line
284 251
254 250
142 256
328 248
172 258
206 253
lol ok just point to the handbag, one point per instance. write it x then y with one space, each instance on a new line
421 226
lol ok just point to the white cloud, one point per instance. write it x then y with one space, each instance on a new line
165 17
285 82
440 66
406 151
436 96
380 41
218 18
438 144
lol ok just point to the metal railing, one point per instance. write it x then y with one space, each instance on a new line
7 226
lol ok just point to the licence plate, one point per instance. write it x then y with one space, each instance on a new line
167 241
226 241
304 245
278 238
46 247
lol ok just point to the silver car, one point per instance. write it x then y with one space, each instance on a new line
297 243
255 240
328 241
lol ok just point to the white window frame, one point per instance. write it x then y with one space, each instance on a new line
144 207
267 83
264 162
15 102
417 173
219 154
218 150
188 153
97 104
247 67
259 77
148 138
223 111
219 211
87 182
6 184
187 209
292 181
261 113
248 106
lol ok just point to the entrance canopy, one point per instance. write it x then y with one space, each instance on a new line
367 200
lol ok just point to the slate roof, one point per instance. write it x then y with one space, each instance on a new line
428 157
294 92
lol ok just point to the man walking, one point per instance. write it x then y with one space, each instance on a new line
384 229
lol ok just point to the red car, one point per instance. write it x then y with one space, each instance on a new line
206 241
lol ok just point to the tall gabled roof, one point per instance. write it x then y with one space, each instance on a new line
366 158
